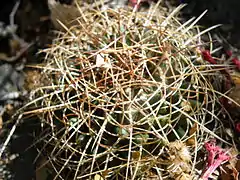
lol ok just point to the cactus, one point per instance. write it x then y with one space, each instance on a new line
123 87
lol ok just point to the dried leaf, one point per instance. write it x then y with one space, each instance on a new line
235 95
98 177
235 76
193 129
136 155
105 173
102 61
230 170
192 140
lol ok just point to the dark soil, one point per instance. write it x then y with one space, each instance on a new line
219 12
34 26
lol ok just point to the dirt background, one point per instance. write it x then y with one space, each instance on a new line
34 26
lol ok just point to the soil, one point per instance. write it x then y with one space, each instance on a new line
34 26
219 12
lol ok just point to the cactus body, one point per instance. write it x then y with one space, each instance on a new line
124 85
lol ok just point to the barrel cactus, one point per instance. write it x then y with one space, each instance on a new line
123 92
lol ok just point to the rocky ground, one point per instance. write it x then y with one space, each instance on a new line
18 47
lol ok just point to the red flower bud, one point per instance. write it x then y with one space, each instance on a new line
208 57
236 62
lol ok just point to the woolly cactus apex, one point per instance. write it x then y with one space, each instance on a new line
123 86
